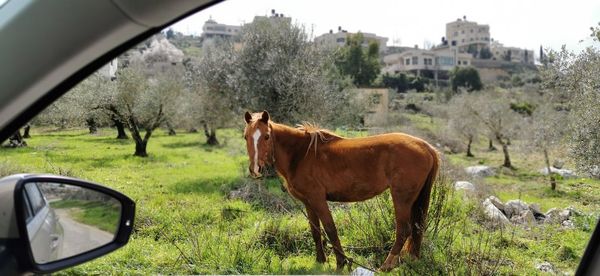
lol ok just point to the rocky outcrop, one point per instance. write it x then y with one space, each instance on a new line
519 212
480 171
562 172
464 185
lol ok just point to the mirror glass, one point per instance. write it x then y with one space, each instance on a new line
65 220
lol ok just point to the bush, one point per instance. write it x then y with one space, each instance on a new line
466 77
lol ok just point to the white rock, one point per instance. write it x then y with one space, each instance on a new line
546 267
359 271
497 203
562 172
564 214
525 217
515 207
537 213
558 163
464 185
480 171
568 224
493 213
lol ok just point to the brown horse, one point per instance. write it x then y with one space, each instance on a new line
318 166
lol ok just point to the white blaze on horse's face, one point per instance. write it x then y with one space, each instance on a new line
255 138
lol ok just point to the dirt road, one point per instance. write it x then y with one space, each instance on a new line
79 237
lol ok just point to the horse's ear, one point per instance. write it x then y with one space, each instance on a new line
248 117
265 116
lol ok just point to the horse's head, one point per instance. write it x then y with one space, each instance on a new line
258 141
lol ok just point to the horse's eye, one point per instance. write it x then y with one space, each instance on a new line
266 136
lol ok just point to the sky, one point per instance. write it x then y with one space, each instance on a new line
517 23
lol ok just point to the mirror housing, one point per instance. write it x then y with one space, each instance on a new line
23 252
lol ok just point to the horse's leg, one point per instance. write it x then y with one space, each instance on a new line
402 208
322 211
315 226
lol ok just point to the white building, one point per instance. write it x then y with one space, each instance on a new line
511 54
339 39
467 36
212 29
434 63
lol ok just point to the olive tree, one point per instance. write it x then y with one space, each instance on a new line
492 108
547 128
463 121
574 82
274 68
144 102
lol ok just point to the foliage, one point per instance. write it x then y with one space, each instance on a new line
523 108
143 102
492 108
279 70
466 77
401 82
361 64
572 80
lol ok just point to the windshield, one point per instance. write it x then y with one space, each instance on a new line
324 137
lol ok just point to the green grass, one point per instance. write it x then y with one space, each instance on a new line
103 215
187 224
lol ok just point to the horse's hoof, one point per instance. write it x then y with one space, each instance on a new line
385 268
390 262
321 259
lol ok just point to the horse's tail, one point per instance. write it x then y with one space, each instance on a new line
420 207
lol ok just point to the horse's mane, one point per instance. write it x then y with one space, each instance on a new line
315 132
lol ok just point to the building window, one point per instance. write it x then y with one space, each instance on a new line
340 40
459 62
453 42
415 60
428 61
455 33
444 61
408 61
465 62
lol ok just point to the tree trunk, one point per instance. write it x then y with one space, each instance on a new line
469 153
507 163
140 144
91 123
211 135
121 134
491 146
140 148
171 130
26 131
16 140
550 174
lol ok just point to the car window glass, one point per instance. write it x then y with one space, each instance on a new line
35 197
28 211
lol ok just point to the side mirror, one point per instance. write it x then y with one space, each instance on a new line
65 221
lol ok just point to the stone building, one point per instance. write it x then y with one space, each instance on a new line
467 36
339 39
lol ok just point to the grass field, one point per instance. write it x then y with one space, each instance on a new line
186 222
102 215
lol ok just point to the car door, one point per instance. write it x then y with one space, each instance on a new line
42 225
